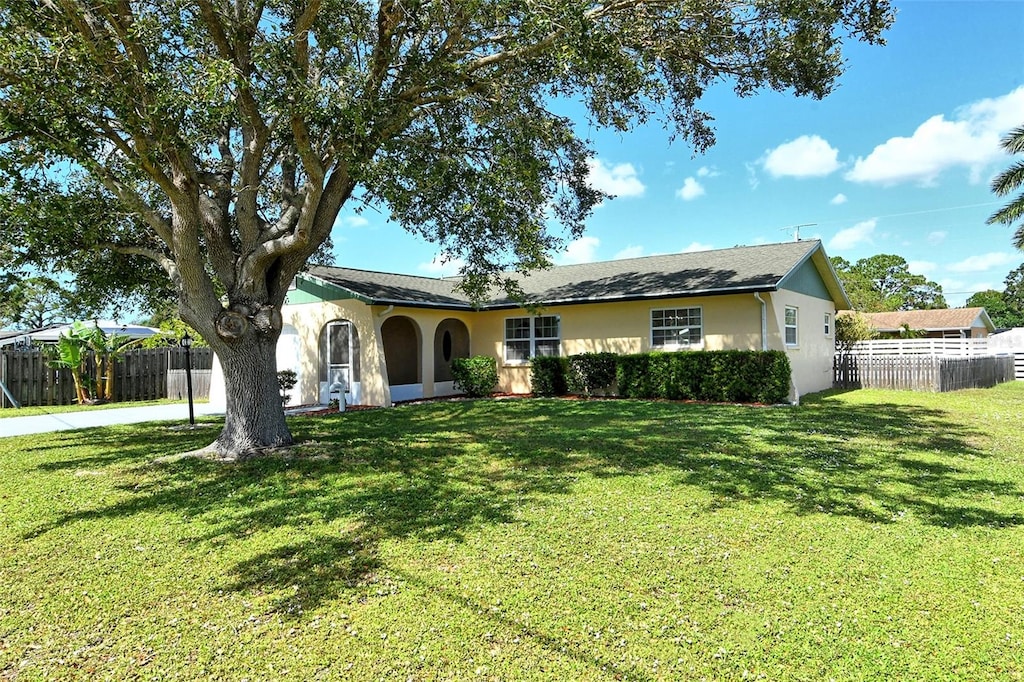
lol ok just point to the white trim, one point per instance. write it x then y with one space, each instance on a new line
533 339
675 346
786 326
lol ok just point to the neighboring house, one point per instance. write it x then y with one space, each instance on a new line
950 323
51 333
389 337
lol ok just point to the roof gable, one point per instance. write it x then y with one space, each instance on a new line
743 269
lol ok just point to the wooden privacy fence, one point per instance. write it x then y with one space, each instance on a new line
177 384
141 374
921 372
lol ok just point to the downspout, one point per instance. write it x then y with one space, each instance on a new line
386 311
764 320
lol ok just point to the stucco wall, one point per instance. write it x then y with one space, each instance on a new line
811 357
729 322
309 319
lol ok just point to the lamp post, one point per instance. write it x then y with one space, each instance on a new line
186 343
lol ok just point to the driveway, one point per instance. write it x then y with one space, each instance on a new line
86 419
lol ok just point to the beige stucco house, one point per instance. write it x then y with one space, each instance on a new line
385 337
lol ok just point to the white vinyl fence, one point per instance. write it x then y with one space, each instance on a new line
929 364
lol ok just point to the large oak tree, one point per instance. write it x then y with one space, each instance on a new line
236 131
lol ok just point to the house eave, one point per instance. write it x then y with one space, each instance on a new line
624 298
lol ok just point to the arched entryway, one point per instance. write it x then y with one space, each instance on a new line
451 341
339 362
401 338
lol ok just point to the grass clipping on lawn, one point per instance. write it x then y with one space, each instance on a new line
861 535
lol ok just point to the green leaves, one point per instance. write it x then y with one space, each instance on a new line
884 283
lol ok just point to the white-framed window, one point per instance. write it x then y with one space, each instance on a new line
828 324
791 326
675 328
527 337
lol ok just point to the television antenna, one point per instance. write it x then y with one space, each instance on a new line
795 229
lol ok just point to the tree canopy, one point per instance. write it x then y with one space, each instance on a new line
1006 308
236 131
884 283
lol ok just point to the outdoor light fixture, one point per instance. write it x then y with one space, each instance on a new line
186 343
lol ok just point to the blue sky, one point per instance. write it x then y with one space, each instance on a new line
897 160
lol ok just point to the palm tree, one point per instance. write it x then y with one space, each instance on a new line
1008 181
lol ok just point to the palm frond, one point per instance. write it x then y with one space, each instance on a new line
1008 214
1009 180
1014 141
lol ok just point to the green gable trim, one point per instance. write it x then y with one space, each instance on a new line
318 291
805 279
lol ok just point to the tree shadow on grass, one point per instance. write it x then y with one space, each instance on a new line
439 471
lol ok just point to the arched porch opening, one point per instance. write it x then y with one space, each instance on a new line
451 341
400 336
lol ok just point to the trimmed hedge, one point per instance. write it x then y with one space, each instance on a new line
477 376
590 372
720 376
548 375
731 376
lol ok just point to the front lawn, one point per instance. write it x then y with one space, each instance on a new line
863 535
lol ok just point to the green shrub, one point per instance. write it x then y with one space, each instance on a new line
590 372
720 376
476 376
548 375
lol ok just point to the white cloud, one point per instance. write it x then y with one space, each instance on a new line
690 190
629 252
970 139
838 199
441 266
353 221
582 250
983 262
619 180
807 156
936 238
707 172
852 236
697 246
921 267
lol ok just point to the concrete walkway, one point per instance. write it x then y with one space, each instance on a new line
86 419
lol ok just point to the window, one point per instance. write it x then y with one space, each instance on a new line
527 337
791 329
676 328
828 324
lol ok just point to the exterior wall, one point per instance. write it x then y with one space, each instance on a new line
811 357
309 319
729 322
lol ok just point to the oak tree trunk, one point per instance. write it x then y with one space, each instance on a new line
255 419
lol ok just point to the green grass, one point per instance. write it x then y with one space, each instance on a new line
863 535
38 410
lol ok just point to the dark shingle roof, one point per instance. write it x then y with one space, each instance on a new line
723 271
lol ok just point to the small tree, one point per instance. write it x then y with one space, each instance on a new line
70 353
851 329
286 380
